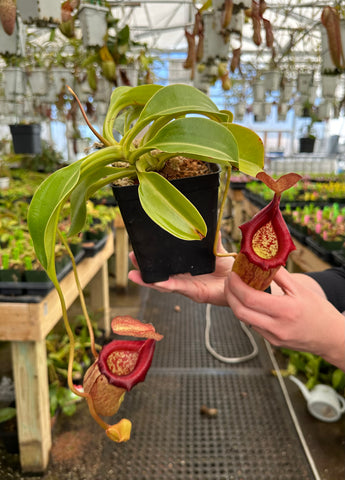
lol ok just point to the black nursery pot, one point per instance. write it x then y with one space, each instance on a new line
160 254
306 145
26 138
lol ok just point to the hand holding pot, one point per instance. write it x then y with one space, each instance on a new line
208 288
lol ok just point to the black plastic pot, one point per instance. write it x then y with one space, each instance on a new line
160 254
26 138
306 144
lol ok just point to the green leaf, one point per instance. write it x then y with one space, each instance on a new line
44 212
171 210
85 188
7 413
338 380
196 137
250 149
123 97
177 100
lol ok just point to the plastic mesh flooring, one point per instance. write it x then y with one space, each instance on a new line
251 438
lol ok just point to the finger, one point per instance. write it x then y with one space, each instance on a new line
220 246
166 286
133 259
255 300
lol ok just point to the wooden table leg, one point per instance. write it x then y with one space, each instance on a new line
99 297
29 361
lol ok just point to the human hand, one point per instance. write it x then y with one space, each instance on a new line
300 318
208 288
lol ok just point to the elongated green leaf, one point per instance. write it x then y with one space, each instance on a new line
44 211
171 210
86 187
123 97
250 148
112 111
178 99
196 137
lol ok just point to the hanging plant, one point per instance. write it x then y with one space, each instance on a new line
256 13
330 19
8 14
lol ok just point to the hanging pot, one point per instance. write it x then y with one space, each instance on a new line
14 82
240 110
38 81
283 108
214 44
259 91
160 254
40 12
259 111
304 82
236 22
26 138
298 109
104 90
329 84
287 91
272 80
93 23
325 110
59 77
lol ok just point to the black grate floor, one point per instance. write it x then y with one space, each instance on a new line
251 438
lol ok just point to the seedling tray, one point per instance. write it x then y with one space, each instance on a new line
40 289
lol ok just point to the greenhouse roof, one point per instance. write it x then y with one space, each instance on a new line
161 24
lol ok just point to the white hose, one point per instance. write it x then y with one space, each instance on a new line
219 357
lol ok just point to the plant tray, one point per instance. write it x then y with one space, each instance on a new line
339 257
257 200
92 247
25 288
297 234
319 250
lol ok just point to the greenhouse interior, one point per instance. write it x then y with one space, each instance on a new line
227 308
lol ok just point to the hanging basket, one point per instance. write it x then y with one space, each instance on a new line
93 23
40 12
26 138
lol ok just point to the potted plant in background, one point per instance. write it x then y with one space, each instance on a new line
157 125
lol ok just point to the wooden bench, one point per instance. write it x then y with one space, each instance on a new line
26 326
